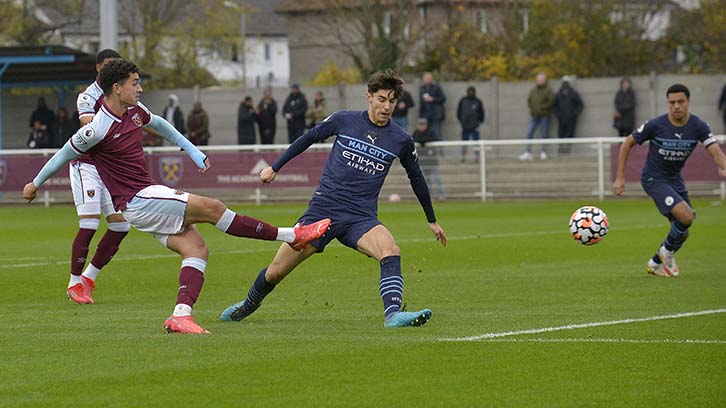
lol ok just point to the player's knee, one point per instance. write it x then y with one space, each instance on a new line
393 250
214 208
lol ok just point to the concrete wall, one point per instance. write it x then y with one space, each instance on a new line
507 116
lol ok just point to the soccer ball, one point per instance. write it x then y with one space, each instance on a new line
394 198
588 225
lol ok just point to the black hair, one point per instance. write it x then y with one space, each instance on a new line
117 71
387 79
678 88
107 53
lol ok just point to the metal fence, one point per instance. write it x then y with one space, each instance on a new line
475 170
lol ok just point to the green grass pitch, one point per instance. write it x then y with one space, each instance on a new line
319 339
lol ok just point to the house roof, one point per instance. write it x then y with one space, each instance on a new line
296 6
263 20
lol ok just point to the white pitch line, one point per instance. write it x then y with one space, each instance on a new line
252 251
580 326
593 340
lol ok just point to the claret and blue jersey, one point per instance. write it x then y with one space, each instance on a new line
670 145
362 155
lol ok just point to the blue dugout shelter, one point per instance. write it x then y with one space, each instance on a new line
52 66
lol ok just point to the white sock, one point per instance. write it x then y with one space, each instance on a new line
285 234
75 280
91 272
182 310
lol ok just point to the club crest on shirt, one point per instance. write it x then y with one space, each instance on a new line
171 169
91 193
178 192
137 119
3 171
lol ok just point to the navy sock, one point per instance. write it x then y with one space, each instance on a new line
259 289
391 285
656 258
676 236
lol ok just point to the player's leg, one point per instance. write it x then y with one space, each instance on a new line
202 209
107 247
533 124
545 132
88 208
378 242
675 206
286 259
190 245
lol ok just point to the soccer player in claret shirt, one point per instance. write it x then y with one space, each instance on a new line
672 139
113 139
364 150
92 199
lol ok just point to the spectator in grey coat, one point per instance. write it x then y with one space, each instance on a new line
624 116
400 113
471 115
568 106
174 115
266 116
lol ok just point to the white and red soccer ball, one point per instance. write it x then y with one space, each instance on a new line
588 225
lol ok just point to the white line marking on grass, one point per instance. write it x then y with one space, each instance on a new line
581 326
592 340
562 232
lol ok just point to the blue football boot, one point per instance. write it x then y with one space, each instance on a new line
238 311
405 319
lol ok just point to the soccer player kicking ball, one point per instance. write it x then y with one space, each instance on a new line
365 147
672 139
113 139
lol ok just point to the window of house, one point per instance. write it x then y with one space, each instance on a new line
267 51
481 21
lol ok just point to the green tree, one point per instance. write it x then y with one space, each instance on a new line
699 36
35 22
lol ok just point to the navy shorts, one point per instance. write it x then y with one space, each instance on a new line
346 228
665 195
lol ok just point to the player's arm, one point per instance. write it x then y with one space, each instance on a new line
79 143
318 133
409 160
619 184
168 132
715 150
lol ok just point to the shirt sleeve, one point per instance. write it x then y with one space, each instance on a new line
705 135
86 101
85 138
409 161
323 130
646 131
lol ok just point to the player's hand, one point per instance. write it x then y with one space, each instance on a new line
619 187
207 165
30 191
267 175
722 172
438 232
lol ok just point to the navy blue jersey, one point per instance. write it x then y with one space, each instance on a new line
670 145
362 155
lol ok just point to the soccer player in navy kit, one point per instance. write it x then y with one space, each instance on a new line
365 147
672 139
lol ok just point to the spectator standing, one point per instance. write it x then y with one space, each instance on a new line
41 124
174 115
429 156
318 112
431 103
198 125
63 129
540 102
722 107
246 119
400 113
568 106
624 116
471 115
294 111
266 111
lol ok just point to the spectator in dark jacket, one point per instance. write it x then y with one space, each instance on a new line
400 113
428 156
41 126
64 128
246 119
173 114
266 119
294 110
471 115
431 103
198 125
568 106
722 106
624 116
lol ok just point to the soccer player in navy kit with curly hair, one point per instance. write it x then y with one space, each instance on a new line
672 137
365 147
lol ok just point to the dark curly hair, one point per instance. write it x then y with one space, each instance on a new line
117 71
387 79
675 88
